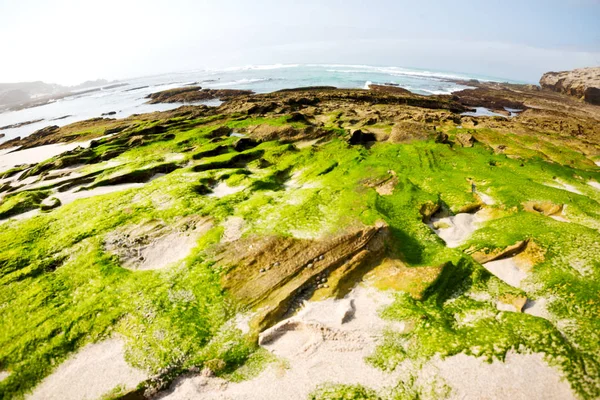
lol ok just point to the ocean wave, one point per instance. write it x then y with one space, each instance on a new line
258 67
243 81
394 71
367 84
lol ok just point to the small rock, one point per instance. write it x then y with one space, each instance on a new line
321 257
310 265
276 264
263 270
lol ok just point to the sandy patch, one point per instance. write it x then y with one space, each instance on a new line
94 371
301 144
456 229
537 308
234 227
76 194
174 157
4 375
507 270
154 245
294 182
486 199
326 342
559 218
222 189
519 377
37 154
22 216
565 186
595 185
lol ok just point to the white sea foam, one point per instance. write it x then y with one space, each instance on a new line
258 67
243 81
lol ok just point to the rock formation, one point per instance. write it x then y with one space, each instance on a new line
582 83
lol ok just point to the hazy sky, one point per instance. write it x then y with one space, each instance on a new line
66 41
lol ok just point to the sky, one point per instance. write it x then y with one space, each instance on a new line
68 42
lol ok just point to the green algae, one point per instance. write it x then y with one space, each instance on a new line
61 289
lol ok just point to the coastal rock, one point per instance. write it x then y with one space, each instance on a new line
465 139
190 94
582 83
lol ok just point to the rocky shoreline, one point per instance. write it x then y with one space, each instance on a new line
377 234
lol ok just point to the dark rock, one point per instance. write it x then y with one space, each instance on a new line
109 113
243 144
441 137
360 137
592 96
298 117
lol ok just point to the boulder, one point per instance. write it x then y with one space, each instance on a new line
465 139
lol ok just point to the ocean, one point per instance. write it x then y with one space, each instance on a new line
130 99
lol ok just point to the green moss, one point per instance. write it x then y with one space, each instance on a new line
21 202
61 289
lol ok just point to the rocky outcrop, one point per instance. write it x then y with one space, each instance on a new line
193 94
582 83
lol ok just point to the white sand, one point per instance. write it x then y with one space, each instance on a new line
319 348
94 371
293 182
460 227
486 199
507 270
537 308
222 190
36 154
72 195
163 248
565 186
172 248
76 194
301 144
234 227
23 216
520 377
595 185
4 375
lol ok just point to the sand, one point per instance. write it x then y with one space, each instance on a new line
154 247
595 185
326 342
565 186
94 371
520 377
222 189
22 216
488 200
293 182
4 375
234 227
507 270
537 308
456 229
72 195
38 154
